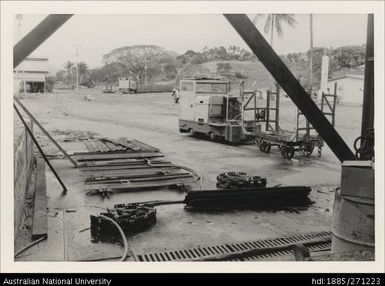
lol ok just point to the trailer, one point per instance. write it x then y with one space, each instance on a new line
127 85
289 142
207 106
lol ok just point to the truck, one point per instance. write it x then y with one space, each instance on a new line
207 106
127 85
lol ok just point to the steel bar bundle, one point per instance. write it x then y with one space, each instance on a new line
259 198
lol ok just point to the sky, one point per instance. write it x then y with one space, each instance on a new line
96 35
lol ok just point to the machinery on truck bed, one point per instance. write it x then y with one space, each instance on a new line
127 85
207 106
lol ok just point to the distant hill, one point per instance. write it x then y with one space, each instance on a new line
154 64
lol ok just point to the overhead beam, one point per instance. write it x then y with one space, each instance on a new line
273 63
37 36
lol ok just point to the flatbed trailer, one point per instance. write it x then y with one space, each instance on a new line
290 142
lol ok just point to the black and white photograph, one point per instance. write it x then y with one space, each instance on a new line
179 136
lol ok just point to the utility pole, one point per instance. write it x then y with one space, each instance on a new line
19 18
311 54
77 64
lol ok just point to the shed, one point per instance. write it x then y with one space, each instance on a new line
33 72
349 88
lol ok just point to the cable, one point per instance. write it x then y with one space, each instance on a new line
124 256
30 245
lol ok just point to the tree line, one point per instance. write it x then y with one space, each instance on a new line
149 63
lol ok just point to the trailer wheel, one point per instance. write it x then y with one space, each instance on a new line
287 152
212 136
267 148
262 146
308 148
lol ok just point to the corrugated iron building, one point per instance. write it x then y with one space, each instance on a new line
33 71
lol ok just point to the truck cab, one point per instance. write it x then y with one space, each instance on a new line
127 85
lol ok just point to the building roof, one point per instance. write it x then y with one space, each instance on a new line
353 76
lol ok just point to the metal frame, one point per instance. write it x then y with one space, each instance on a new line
277 68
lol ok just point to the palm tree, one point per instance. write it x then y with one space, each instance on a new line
68 65
275 22
83 70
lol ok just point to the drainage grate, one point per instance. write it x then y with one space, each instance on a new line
223 249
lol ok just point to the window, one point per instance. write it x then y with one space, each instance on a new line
211 87
187 86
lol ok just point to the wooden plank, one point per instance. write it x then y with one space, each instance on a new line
144 145
101 146
124 142
40 220
277 68
110 145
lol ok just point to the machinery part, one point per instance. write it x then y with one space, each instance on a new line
122 234
250 198
132 218
274 64
308 148
46 132
37 36
39 148
353 223
253 250
365 151
239 180
287 152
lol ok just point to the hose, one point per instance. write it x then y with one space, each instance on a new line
29 245
124 256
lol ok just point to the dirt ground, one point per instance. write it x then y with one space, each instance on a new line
153 118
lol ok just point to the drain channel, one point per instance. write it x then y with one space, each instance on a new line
308 239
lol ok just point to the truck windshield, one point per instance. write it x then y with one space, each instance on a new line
211 87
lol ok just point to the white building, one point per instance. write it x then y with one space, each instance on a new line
350 88
33 71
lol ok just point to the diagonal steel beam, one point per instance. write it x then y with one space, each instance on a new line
254 39
37 36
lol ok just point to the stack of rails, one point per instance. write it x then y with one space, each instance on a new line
127 165
255 198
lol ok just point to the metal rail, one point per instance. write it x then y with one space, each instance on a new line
40 150
46 133
255 40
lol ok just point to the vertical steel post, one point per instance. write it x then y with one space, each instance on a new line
368 100
277 98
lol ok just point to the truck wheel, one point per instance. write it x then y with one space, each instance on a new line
212 136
